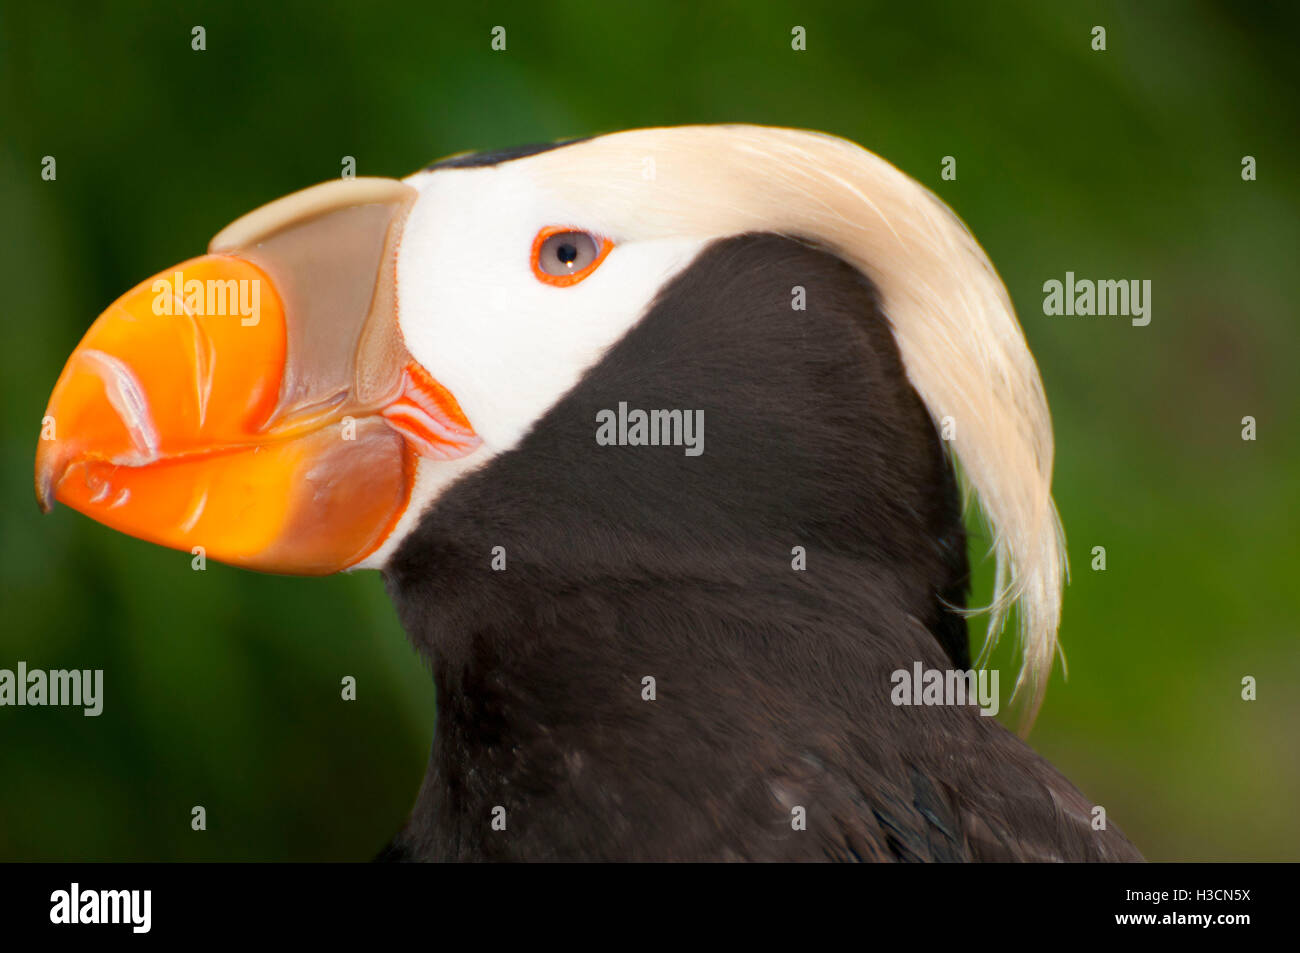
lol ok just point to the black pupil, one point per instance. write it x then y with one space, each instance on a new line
567 253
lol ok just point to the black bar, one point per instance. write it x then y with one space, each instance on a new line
329 902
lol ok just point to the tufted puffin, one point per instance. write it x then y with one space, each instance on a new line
661 441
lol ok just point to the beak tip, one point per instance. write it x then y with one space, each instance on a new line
44 492
50 467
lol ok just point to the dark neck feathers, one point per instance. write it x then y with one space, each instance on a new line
628 562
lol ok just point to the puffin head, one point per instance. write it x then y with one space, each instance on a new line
297 399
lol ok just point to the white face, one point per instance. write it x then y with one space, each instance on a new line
474 313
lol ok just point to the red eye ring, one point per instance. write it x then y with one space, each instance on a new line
603 248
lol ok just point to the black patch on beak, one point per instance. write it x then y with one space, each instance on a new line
474 160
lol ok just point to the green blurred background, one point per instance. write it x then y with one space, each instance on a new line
222 687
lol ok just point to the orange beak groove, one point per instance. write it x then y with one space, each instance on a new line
258 401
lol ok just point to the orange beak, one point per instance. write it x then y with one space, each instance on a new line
257 402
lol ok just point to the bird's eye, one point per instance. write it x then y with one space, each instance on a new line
564 256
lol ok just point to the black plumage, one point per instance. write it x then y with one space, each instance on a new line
773 685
